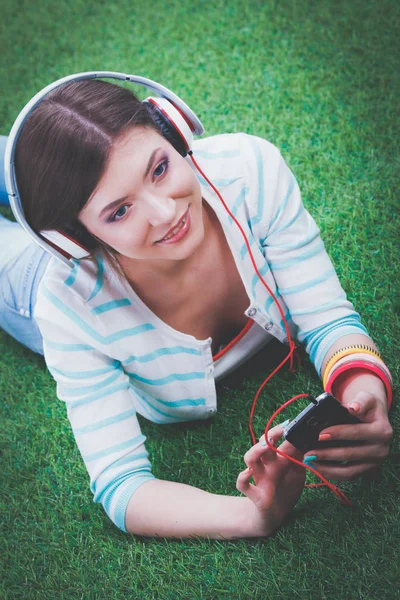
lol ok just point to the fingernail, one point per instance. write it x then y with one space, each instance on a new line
355 407
324 436
285 423
309 458
263 443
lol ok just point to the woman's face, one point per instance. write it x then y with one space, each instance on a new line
148 203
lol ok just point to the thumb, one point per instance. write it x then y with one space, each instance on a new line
362 403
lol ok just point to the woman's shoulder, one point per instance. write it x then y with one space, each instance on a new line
80 302
241 155
81 284
244 167
232 145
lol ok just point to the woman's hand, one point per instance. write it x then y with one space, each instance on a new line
278 481
373 434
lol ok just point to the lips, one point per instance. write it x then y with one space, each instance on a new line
175 228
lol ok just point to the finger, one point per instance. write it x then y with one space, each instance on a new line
274 435
258 457
377 431
273 438
367 452
289 449
276 432
269 458
258 451
261 455
344 472
243 483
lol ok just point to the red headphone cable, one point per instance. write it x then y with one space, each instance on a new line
292 346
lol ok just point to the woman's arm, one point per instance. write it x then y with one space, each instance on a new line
99 401
306 282
168 509
326 323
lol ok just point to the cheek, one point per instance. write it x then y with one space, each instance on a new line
185 182
129 237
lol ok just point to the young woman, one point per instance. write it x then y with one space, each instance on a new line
168 303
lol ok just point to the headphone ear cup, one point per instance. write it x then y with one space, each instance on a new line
72 240
172 123
166 129
65 244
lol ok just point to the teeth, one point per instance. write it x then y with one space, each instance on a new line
176 229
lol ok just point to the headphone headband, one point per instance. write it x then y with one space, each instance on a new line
179 106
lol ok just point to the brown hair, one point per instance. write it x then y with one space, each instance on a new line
64 147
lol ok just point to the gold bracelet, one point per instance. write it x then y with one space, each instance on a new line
356 348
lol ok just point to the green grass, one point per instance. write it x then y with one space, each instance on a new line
320 80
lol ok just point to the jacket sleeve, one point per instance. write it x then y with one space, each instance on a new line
100 407
303 272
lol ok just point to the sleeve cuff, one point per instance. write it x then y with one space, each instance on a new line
118 510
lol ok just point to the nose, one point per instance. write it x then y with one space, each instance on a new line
159 210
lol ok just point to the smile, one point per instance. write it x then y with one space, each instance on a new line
178 232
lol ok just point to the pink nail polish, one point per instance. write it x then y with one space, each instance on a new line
324 436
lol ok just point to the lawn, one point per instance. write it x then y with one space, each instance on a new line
320 80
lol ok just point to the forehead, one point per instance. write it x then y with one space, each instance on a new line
132 151
137 142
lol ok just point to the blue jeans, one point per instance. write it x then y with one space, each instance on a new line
22 265
3 193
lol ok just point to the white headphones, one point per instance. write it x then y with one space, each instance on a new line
177 122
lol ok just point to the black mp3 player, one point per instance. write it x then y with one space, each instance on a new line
323 412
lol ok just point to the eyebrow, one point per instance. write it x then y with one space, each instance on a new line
115 203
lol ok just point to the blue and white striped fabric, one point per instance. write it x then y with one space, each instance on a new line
113 358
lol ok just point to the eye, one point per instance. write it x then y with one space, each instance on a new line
161 168
119 214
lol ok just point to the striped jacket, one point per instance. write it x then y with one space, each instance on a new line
112 358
